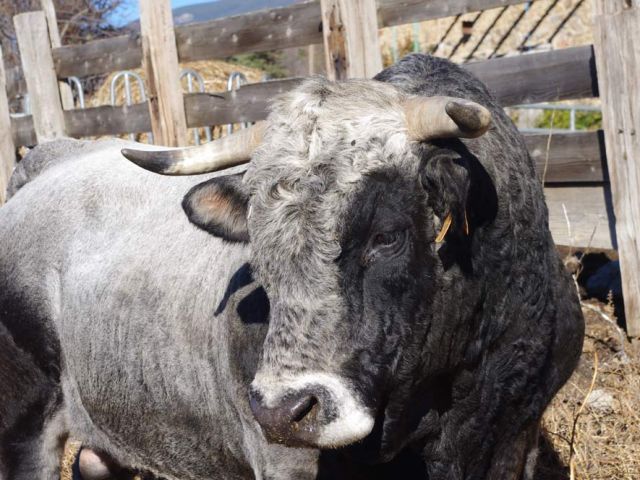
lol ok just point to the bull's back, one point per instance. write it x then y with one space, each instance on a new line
111 277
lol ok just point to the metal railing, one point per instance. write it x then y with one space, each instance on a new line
191 76
572 109
76 86
236 80
126 75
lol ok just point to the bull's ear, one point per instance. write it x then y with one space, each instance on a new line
219 206
460 191
446 179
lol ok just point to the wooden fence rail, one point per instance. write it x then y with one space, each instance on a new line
538 77
297 25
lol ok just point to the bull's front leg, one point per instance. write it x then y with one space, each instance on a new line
516 460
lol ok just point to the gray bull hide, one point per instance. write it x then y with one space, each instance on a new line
358 304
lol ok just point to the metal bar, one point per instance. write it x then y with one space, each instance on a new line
126 75
75 83
394 44
239 79
191 74
416 37
551 106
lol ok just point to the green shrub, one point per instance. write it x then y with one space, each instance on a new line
561 119
268 62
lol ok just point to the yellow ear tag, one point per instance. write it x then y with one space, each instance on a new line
466 224
445 228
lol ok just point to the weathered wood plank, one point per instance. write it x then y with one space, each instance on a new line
293 26
7 147
37 65
160 64
505 77
540 77
108 120
394 12
617 42
350 31
99 56
22 131
54 38
572 157
15 82
581 216
248 103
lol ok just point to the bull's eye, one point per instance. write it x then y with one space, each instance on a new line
385 239
384 245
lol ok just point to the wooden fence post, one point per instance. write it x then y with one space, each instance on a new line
617 45
7 148
350 31
160 63
40 75
54 38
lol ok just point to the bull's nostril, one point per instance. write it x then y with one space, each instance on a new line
303 408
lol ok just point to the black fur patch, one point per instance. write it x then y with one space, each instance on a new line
219 206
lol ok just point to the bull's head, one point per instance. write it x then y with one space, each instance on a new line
344 199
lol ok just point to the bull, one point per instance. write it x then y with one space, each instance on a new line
377 295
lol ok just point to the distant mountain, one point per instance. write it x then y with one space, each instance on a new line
224 8
218 9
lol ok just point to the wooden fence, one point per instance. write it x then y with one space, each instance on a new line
582 188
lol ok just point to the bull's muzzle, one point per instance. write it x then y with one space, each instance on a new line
294 420
314 409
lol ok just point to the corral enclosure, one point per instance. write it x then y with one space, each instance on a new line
591 184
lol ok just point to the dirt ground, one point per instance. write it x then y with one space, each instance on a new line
591 430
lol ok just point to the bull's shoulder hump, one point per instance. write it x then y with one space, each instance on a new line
50 154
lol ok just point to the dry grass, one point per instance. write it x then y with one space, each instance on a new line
601 440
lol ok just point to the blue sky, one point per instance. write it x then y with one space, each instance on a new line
129 10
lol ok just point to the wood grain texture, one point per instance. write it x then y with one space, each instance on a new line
394 12
49 10
160 64
509 80
571 157
350 32
40 76
564 74
617 35
7 147
581 216
98 56
292 26
248 103
15 82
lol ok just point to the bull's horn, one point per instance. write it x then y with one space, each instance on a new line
429 118
210 157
